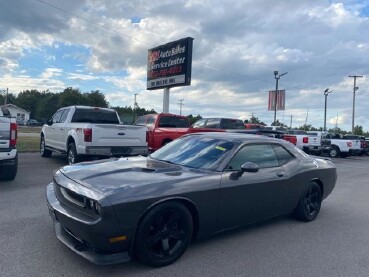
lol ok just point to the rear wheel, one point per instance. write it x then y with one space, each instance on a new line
334 152
309 203
164 234
72 154
46 153
9 172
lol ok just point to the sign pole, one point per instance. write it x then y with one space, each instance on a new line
166 100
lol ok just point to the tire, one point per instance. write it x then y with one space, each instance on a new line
163 235
310 202
334 152
46 153
72 154
9 172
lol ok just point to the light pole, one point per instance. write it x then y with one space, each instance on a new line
276 76
326 92
353 101
134 107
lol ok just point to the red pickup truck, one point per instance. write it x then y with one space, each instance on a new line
163 128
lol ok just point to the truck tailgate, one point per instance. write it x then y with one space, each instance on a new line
4 132
314 140
118 135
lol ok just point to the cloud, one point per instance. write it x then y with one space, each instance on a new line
237 46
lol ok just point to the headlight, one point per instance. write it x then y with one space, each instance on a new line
95 206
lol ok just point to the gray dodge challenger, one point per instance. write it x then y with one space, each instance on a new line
151 208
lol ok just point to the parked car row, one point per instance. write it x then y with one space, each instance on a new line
29 122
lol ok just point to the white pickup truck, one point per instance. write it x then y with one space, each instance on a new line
338 147
81 131
8 145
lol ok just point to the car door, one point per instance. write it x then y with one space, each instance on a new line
61 132
49 131
255 196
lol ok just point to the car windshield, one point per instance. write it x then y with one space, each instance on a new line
194 151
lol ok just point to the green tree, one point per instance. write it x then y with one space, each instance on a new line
193 119
28 100
358 130
96 99
277 123
71 96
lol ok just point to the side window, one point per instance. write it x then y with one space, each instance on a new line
64 116
282 154
141 120
150 121
213 123
199 124
261 154
57 116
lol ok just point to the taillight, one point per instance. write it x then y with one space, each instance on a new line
13 134
87 135
305 140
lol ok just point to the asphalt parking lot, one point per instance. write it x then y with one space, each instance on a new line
335 244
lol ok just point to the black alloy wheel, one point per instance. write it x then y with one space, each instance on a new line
164 234
309 203
72 154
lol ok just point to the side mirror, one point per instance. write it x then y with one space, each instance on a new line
49 122
249 167
246 167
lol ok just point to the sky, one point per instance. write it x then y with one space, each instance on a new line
238 44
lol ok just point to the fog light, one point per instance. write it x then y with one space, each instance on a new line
117 239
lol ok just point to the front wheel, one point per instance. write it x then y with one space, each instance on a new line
73 156
164 234
309 203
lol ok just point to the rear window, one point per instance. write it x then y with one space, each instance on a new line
232 124
174 122
95 116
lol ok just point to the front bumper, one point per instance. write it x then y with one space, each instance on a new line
86 237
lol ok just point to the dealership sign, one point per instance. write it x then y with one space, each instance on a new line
169 65
281 99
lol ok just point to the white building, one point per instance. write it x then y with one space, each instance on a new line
21 115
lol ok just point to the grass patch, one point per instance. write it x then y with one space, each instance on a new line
27 129
28 144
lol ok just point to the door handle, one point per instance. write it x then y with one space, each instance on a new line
61 129
280 174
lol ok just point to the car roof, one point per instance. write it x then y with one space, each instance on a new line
240 137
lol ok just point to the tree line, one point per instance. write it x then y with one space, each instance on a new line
43 104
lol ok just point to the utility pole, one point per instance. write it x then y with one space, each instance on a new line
353 100
306 119
291 122
277 77
134 107
180 106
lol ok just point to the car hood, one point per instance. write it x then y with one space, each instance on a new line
108 176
